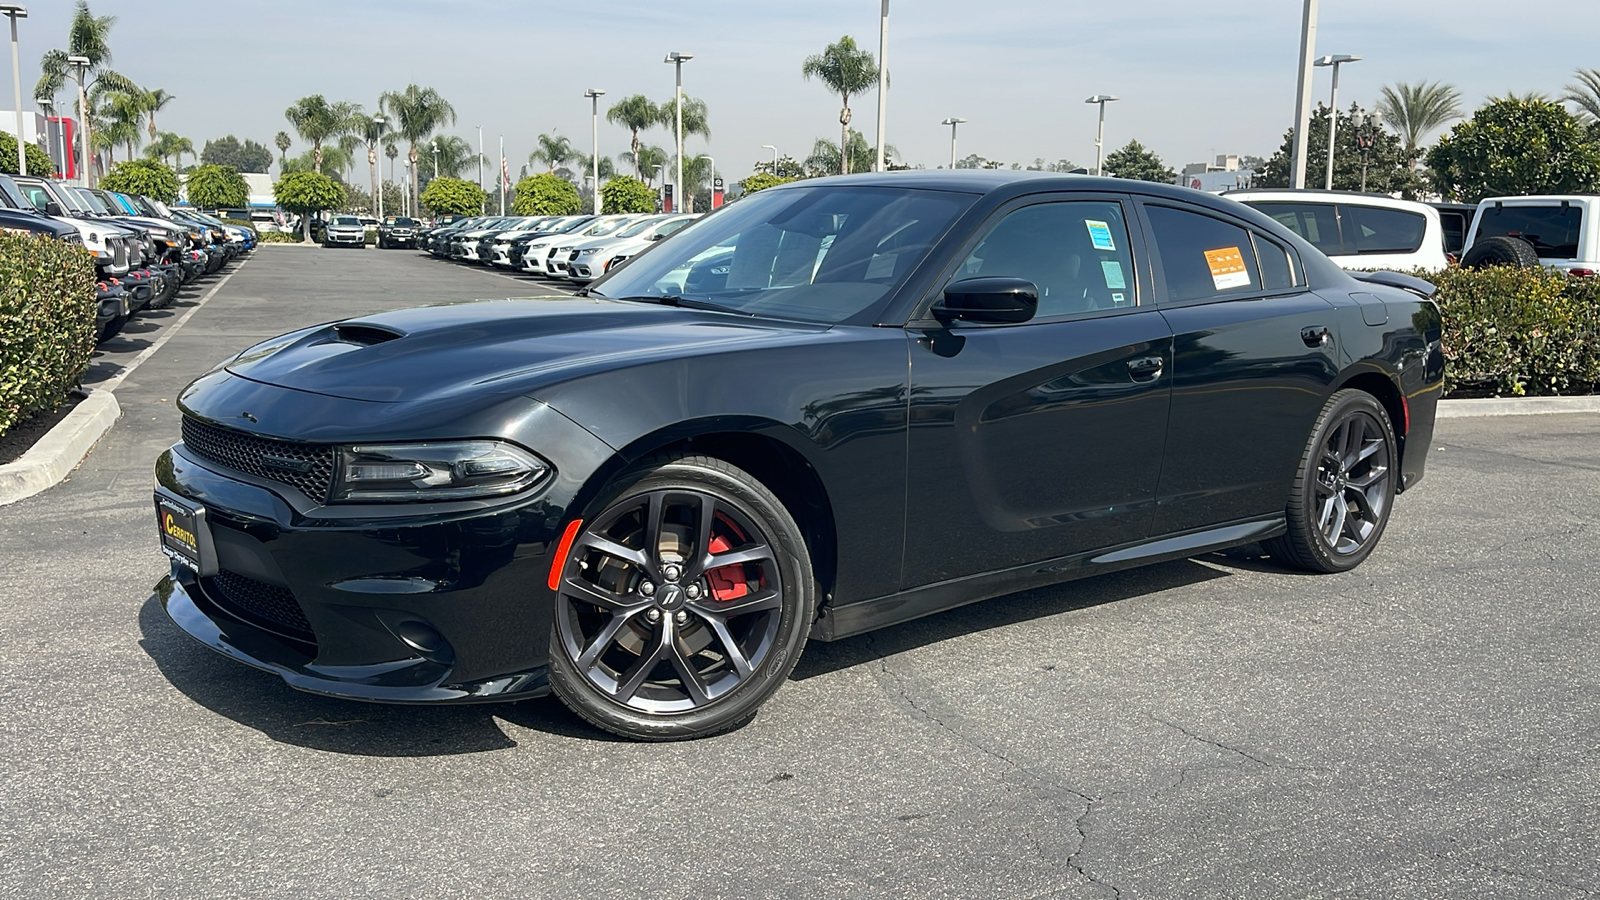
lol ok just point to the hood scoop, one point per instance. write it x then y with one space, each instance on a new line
362 334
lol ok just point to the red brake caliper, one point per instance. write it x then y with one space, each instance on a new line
727 582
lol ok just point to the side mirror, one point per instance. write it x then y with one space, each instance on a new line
52 208
659 237
995 301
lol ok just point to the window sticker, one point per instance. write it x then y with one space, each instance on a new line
1119 299
1100 234
1227 268
1113 272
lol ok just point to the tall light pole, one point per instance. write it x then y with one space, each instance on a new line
678 59
1302 97
15 11
484 206
378 121
1100 133
774 157
953 122
47 104
435 159
505 175
1333 106
594 95
80 67
883 82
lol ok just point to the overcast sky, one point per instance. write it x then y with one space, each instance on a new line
1194 82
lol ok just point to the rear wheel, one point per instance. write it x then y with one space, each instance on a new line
683 604
1340 500
1501 251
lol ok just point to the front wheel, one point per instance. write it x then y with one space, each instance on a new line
683 604
1342 493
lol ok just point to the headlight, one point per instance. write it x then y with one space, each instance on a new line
450 470
73 238
589 251
537 246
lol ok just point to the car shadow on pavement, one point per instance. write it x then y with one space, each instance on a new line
1011 609
261 701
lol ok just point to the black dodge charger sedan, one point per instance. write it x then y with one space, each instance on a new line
832 406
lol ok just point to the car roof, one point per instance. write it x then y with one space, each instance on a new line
1541 200
1316 196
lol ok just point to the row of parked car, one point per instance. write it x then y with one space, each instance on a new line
571 248
1375 231
144 250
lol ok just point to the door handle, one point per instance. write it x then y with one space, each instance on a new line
1146 369
1316 335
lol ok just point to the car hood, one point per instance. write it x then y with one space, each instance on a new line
492 347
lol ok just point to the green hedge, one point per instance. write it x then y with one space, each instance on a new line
1518 332
47 313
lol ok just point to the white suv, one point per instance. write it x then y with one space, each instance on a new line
1561 232
1357 231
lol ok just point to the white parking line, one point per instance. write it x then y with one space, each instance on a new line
110 384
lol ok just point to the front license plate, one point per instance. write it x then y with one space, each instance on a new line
184 535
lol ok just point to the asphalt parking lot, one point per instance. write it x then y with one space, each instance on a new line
1426 726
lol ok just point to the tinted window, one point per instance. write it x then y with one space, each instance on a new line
1318 223
818 253
1377 230
1455 225
1276 275
1202 257
1552 230
1076 253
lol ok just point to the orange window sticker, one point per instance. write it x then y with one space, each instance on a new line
1228 270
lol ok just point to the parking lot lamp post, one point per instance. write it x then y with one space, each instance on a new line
1100 133
594 95
1333 107
678 59
80 66
952 122
774 157
436 159
883 82
378 122
46 104
15 11
483 207
1366 139
1302 97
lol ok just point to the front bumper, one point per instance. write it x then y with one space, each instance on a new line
353 239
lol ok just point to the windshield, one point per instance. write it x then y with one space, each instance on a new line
816 254
119 204
603 228
571 225
401 221
636 228
37 195
90 202
346 222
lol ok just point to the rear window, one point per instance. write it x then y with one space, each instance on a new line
1552 230
1318 223
1374 229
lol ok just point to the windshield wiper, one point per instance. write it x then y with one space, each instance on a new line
685 303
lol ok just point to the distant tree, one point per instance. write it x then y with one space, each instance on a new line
763 180
283 142
847 70
635 113
645 161
553 150
140 176
1516 146
1137 163
546 194
248 156
217 187
168 145
1413 110
456 196
1389 168
787 167
627 195
696 119
317 121
307 193
153 102
585 164
824 158
1585 95
415 114
88 36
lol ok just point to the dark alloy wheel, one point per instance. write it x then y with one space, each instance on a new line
682 605
1340 501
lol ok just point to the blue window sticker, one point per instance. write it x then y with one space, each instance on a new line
1119 299
1100 234
1113 273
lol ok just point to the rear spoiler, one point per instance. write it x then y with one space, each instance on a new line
1417 286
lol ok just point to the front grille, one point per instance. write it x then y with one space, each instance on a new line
308 467
260 603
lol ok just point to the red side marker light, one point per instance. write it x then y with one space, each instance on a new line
559 561
1580 273
1405 416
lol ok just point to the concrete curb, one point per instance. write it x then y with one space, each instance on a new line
55 455
1516 406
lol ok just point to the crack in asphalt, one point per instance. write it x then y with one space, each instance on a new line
1045 788
1229 747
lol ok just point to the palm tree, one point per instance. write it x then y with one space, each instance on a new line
1585 94
125 111
1413 110
694 117
393 152
316 120
154 102
166 144
634 113
846 70
283 141
454 156
555 150
585 163
87 36
415 114
645 161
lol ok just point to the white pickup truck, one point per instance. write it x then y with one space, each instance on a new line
1559 232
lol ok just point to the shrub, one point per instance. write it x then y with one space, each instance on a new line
624 194
143 176
278 237
548 195
217 187
307 193
761 181
39 162
453 195
1515 146
1522 332
47 314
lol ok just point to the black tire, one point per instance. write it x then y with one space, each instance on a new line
1500 251
615 631
1344 489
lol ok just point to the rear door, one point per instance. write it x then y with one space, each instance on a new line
1254 360
1035 441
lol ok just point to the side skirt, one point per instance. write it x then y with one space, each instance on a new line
869 615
